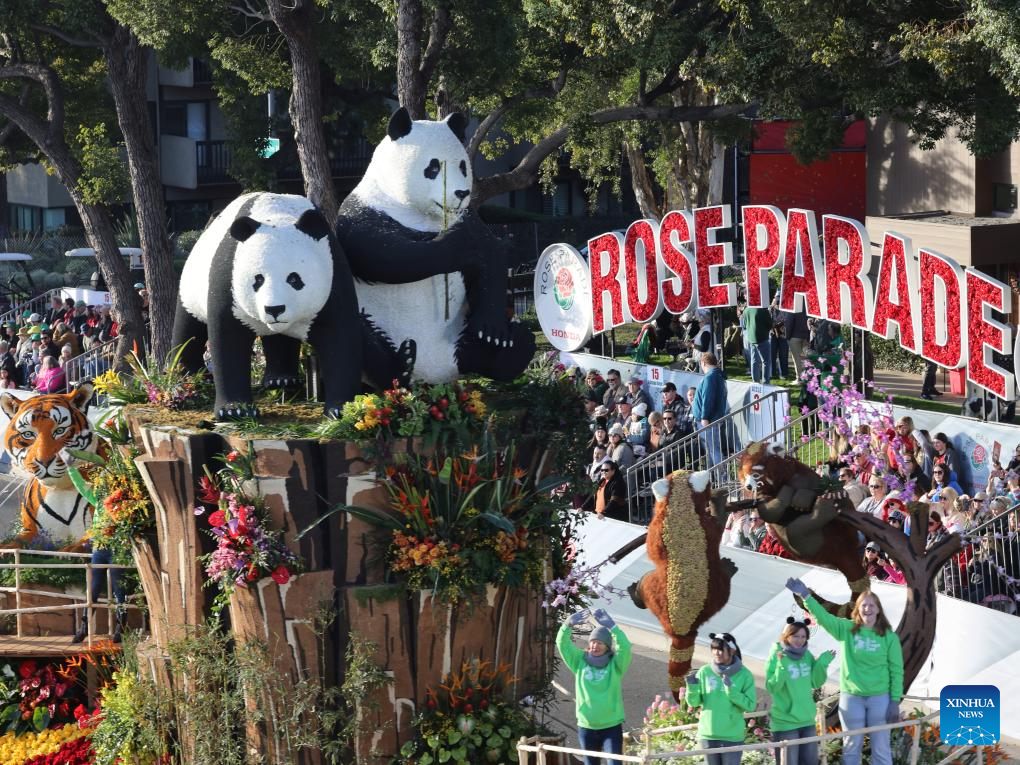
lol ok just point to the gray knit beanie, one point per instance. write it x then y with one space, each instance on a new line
603 635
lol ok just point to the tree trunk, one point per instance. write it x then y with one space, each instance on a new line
916 629
410 87
641 182
295 24
127 60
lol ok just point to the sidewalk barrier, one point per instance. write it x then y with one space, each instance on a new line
526 746
39 304
86 600
987 569
699 450
90 364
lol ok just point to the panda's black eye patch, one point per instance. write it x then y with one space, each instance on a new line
259 281
463 168
294 280
432 171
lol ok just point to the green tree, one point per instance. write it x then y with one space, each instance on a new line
51 102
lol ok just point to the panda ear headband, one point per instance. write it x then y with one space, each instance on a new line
805 623
725 638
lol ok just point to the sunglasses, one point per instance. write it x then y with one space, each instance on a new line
606 470
875 486
613 379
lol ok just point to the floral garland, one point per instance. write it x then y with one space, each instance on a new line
687 571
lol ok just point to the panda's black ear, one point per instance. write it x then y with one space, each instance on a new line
458 124
312 223
400 124
243 227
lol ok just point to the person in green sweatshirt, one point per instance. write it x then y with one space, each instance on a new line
791 675
870 671
598 687
724 689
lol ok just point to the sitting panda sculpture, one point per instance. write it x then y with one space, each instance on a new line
427 269
269 266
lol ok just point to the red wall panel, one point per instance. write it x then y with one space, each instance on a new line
834 186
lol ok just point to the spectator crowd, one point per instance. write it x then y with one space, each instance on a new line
35 348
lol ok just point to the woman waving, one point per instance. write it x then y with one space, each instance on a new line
870 672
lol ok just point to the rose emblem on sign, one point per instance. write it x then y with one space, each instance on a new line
563 289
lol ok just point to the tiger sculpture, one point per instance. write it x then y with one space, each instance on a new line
39 437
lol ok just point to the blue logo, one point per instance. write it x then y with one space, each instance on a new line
969 715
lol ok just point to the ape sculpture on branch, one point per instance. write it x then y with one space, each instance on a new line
818 524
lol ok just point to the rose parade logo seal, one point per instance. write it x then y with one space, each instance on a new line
563 289
563 297
969 714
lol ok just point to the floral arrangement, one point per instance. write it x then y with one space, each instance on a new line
122 506
247 549
841 405
580 585
62 745
931 749
166 385
119 735
469 718
462 522
34 697
663 713
440 414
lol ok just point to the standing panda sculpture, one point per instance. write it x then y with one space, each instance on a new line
269 266
427 270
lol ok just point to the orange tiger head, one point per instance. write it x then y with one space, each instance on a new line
43 429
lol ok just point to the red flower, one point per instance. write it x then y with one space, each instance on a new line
233 456
208 492
80 711
27 669
281 575
217 518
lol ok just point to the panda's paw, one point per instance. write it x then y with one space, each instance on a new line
496 336
236 411
277 382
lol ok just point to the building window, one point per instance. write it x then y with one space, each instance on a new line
559 204
25 218
1003 197
184 118
52 219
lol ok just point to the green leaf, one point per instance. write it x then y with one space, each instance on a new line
444 755
83 486
504 731
375 517
40 718
454 736
432 741
446 472
549 483
499 521
92 457
407 749
460 754
426 759
494 742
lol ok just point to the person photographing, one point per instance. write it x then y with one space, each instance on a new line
870 672
598 681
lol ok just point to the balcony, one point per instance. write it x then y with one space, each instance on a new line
201 74
212 158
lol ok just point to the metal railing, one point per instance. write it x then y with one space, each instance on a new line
82 601
525 746
212 158
39 304
802 437
700 450
986 571
91 364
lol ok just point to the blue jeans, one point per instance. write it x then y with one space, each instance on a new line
99 577
863 712
781 356
711 444
602 740
802 754
761 362
729 758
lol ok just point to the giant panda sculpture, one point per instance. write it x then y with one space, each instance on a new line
269 266
426 268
